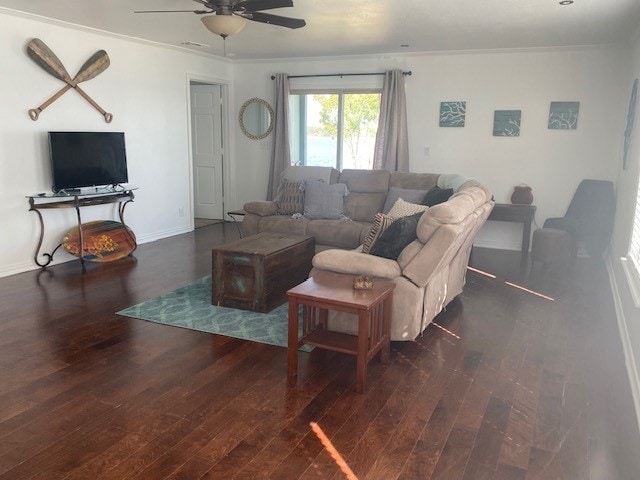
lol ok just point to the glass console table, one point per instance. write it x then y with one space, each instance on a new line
102 229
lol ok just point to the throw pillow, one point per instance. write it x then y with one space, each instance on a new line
395 238
322 200
437 195
404 209
380 223
290 197
412 196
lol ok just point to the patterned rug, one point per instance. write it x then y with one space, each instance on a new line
190 307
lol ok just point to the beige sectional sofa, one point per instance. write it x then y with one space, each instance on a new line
429 272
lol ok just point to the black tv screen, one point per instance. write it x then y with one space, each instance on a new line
87 159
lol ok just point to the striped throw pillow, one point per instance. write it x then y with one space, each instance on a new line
380 223
405 209
290 197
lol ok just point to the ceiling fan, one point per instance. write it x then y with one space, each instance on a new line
229 16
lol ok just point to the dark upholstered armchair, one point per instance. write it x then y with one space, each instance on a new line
589 217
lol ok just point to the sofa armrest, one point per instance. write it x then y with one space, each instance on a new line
356 263
263 208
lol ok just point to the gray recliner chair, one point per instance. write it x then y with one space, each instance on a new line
589 218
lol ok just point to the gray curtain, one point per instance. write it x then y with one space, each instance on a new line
392 141
280 153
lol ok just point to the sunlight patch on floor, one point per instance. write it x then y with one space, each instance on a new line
520 287
326 443
445 330
530 291
486 274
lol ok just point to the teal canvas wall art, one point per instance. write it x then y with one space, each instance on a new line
506 123
453 114
563 115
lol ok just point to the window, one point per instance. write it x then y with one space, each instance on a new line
334 128
634 248
631 264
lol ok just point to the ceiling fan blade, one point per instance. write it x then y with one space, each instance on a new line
275 20
199 12
256 5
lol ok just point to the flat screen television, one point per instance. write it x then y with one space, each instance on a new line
87 159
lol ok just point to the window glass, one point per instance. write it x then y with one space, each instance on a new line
322 130
334 129
634 248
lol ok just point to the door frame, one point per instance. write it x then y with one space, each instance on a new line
228 172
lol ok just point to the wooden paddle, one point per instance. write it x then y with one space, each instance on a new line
46 59
43 56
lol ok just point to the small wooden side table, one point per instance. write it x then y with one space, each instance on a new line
335 292
510 212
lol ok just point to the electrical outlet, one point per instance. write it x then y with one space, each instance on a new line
427 151
181 212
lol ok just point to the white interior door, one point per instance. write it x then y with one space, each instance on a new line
206 128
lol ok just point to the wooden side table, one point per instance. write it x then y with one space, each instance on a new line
335 292
511 212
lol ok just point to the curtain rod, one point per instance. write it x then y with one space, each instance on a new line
338 75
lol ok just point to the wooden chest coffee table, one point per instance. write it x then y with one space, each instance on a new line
254 273
333 291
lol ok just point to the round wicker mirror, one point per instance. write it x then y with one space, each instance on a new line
256 118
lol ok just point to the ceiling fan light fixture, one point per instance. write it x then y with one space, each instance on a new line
224 25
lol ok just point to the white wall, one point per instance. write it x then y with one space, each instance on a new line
627 184
552 162
146 90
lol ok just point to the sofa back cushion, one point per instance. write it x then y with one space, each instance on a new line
454 211
300 173
367 193
413 181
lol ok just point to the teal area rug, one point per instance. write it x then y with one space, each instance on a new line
190 307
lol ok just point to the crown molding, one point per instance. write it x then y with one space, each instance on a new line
105 33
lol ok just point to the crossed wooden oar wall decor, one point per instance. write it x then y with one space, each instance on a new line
45 58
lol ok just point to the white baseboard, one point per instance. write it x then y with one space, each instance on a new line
22 267
498 245
152 237
17 268
629 357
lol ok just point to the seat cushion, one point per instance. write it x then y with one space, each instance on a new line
339 233
282 224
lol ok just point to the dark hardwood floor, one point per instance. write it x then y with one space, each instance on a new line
508 385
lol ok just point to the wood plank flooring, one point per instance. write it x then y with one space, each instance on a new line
508 385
